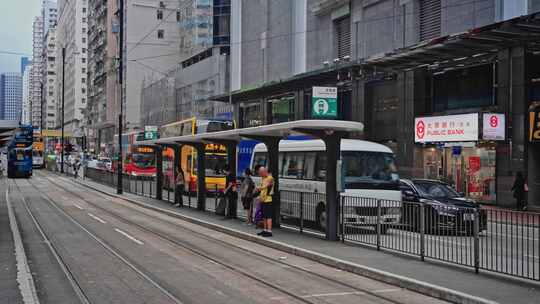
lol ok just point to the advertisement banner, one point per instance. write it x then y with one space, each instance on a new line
324 102
446 128
534 124
493 126
474 175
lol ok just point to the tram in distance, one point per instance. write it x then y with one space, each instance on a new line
19 152
368 171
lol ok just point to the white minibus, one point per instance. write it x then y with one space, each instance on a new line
368 171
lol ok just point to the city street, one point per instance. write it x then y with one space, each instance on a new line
105 250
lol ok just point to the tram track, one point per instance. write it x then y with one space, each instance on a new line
65 267
238 249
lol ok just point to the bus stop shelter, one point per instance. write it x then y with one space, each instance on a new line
330 131
6 130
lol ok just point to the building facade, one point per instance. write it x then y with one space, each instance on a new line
72 38
26 115
24 62
102 109
49 101
382 57
152 48
37 71
202 70
11 96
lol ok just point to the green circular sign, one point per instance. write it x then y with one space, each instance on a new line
321 106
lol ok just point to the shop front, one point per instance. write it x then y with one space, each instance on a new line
461 150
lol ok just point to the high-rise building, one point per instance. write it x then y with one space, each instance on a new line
10 96
102 109
49 13
71 36
24 62
36 73
26 115
151 48
48 106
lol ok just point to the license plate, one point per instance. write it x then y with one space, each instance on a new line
468 216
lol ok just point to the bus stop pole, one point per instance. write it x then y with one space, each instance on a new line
176 166
332 202
159 172
201 176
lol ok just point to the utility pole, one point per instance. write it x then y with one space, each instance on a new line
63 88
119 168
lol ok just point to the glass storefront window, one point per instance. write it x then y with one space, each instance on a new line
252 115
470 170
282 109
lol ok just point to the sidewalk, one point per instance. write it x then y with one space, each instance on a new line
381 265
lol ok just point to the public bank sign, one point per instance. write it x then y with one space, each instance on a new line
446 128
324 102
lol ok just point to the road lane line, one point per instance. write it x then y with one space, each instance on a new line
25 280
78 206
128 236
96 218
334 294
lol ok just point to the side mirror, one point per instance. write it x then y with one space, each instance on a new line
409 195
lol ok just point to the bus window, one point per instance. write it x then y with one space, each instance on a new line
365 168
293 166
309 165
259 159
320 167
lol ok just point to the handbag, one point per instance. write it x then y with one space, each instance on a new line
526 187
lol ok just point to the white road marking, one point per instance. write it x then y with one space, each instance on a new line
96 218
128 236
387 290
334 294
78 206
26 284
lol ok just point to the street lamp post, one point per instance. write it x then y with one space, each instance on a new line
63 88
119 168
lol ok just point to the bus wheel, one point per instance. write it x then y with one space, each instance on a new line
321 217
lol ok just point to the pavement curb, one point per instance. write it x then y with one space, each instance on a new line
425 288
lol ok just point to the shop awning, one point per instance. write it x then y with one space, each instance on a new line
279 130
455 49
469 47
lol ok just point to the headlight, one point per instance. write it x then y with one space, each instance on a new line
446 210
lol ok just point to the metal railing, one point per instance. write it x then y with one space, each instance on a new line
139 185
501 241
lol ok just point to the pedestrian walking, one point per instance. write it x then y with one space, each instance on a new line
519 188
246 194
266 191
179 188
231 195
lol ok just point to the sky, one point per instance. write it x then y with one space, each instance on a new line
16 18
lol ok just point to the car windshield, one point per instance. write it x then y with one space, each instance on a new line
369 169
435 190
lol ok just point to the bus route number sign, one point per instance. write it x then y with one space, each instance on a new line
145 150
324 102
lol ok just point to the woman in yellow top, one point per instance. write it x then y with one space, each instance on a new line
266 190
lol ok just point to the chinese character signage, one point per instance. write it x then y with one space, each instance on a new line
493 126
324 102
446 128
534 124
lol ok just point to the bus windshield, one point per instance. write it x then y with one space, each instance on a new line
369 170
143 160
214 163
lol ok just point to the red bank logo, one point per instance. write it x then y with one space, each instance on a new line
493 121
420 129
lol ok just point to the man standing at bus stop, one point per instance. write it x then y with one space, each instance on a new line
266 191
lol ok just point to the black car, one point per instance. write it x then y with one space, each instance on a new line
445 210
